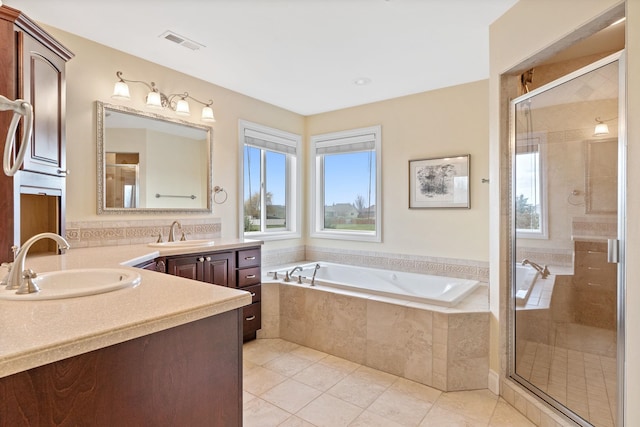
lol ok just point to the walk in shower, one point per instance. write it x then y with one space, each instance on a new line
565 200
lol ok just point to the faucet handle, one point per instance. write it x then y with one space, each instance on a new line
28 286
159 238
183 237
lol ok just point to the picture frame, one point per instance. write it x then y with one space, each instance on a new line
441 182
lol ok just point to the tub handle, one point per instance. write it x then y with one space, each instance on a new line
250 318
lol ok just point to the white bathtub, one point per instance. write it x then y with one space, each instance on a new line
438 290
526 277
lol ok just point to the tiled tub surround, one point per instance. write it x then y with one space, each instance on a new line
450 267
446 348
131 232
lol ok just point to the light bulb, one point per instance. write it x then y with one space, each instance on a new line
121 91
182 108
154 100
207 115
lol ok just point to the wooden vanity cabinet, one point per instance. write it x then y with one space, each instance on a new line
213 267
32 67
235 269
189 375
248 275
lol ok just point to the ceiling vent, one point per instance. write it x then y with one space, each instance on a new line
182 41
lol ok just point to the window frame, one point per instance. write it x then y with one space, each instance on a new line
541 142
316 227
293 176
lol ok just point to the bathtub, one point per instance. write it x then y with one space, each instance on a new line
424 288
525 278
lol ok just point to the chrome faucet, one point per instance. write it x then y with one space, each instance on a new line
172 232
19 274
544 271
289 274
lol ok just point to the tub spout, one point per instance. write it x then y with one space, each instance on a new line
544 271
289 274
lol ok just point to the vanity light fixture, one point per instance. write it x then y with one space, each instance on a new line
156 99
602 129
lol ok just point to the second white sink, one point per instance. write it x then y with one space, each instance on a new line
76 283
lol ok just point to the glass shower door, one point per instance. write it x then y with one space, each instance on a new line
565 226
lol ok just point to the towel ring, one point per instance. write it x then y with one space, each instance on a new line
217 190
20 108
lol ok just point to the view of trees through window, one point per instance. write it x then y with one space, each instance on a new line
265 190
528 197
349 191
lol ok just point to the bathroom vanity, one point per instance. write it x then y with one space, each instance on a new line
166 352
230 267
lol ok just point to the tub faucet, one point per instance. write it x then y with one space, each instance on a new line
21 278
172 232
544 271
289 274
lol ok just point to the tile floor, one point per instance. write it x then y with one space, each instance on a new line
579 371
286 384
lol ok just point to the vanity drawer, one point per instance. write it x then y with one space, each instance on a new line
254 291
248 277
251 319
248 258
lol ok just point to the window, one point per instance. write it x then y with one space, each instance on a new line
270 173
530 195
346 170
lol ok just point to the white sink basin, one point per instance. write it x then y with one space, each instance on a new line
183 244
76 283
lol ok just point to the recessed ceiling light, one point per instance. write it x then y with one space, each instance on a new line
362 81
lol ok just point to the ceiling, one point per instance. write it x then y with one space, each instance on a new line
301 55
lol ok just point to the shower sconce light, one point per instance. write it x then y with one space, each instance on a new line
156 99
602 129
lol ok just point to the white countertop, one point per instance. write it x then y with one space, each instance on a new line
34 333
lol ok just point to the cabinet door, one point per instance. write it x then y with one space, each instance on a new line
43 85
219 269
188 267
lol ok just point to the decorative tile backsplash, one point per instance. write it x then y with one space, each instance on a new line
113 233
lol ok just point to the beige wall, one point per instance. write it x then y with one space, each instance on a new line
90 77
443 122
532 29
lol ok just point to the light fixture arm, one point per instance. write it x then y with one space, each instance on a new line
599 120
152 87
186 95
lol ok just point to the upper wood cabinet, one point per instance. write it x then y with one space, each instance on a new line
42 83
32 67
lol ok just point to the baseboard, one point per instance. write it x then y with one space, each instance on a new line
493 382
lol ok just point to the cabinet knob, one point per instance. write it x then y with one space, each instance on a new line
253 294
200 259
208 259
250 318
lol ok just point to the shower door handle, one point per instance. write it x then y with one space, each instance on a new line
613 255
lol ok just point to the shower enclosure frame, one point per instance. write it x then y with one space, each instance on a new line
621 239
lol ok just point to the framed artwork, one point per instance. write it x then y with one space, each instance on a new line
442 182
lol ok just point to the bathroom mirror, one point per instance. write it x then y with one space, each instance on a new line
151 163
